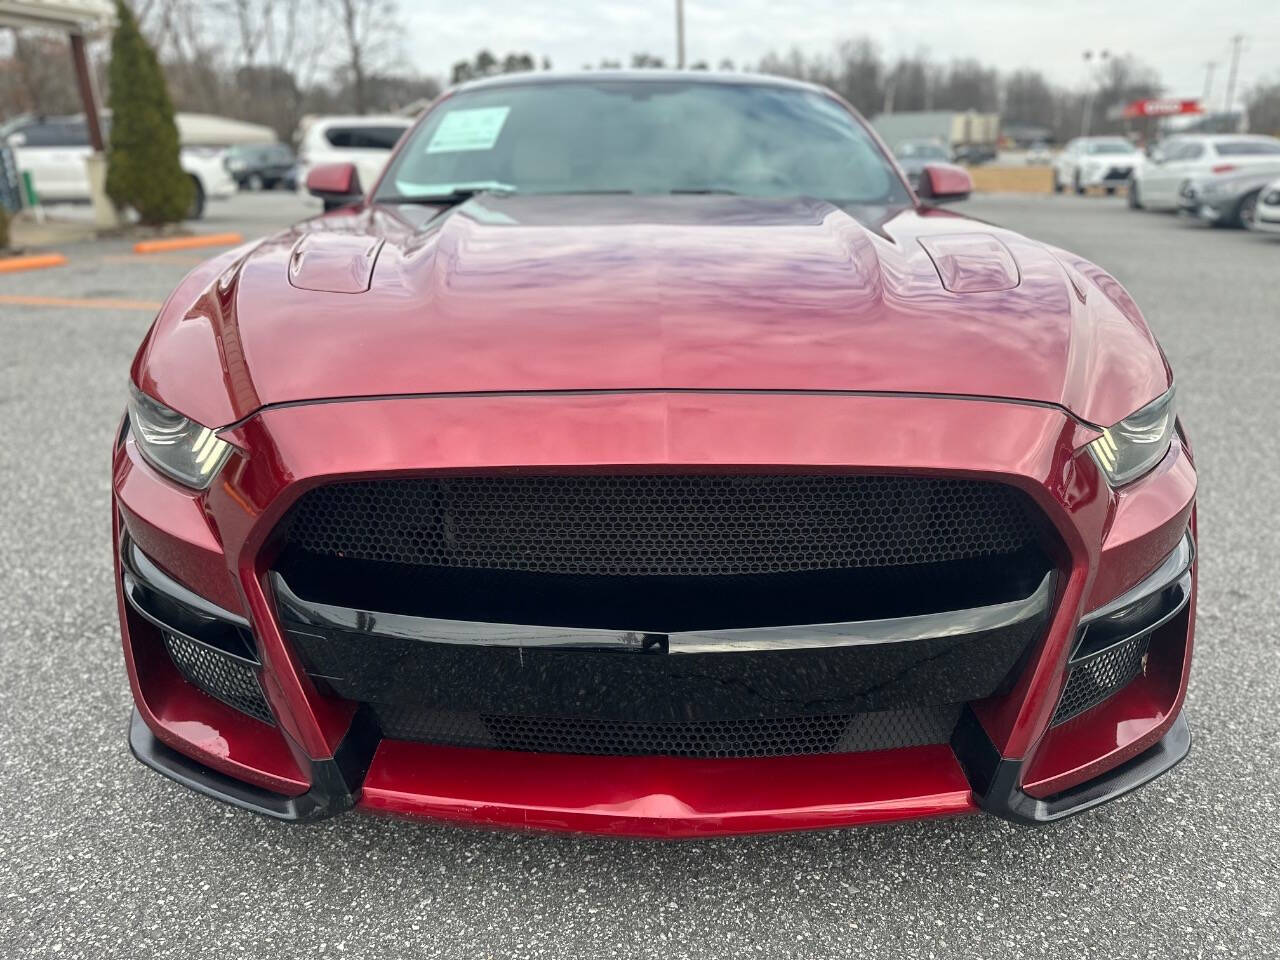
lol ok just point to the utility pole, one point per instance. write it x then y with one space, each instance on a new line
1208 81
1236 43
680 34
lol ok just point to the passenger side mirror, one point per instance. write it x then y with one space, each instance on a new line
337 184
944 183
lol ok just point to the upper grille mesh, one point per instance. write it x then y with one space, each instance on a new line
662 525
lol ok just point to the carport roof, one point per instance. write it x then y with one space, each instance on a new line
58 14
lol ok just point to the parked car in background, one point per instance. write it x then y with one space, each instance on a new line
1228 199
262 166
1038 154
914 155
1088 162
54 149
1266 216
365 142
1158 181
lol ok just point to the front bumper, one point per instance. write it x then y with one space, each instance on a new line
1106 176
320 753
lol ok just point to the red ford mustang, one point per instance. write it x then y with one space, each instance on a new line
640 455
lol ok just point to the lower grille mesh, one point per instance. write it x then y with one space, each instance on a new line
756 737
222 676
1097 677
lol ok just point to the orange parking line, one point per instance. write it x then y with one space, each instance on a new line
90 303
34 262
188 243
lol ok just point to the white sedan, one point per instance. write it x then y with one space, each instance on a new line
1266 215
1094 162
54 149
1159 181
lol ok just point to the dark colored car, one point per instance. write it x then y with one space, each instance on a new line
262 166
914 155
641 455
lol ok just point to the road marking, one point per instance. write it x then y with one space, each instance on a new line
86 303
188 243
190 260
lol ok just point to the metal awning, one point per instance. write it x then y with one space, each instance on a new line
70 15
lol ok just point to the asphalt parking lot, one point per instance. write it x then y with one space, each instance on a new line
100 857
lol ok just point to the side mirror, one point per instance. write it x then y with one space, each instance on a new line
337 184
944 183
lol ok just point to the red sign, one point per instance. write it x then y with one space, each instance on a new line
1159 107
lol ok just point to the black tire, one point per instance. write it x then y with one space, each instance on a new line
1075 184
196 210
1057 184
255 182
1247 212
1135 201
1111 191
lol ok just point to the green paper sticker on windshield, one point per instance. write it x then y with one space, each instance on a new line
461 130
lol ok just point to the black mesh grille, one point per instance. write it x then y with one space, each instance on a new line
662 525
757 737
218 674
1097 677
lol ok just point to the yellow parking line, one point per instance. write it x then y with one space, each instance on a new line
87 303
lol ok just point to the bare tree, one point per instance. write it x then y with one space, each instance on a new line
370 32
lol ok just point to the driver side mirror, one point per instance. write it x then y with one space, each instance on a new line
337 184
944 183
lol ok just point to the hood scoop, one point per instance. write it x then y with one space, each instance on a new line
972 262
334 262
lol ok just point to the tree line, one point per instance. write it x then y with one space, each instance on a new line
275 61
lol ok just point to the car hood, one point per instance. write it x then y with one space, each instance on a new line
620 293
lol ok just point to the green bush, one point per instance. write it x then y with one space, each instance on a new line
4 229
143 169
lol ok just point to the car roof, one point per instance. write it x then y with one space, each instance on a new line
530 78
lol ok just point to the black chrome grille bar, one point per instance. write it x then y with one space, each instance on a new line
951 623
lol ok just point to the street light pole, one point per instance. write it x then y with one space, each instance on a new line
680 34
1091 81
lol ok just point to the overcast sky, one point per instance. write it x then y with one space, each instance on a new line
1176 37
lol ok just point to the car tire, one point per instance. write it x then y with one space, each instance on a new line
196 210
1111 191
1247 212
1075 184
1135 201
1057 184
254 182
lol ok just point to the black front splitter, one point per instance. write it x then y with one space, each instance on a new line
335 782
995 780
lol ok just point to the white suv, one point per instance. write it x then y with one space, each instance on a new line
364 141
1158 182
1094 162
54 149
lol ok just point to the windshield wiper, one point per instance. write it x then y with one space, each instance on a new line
449 198
706 190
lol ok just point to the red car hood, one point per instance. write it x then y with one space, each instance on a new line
632 293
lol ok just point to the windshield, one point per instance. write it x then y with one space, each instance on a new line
630 136
921 151
1109 146
1248 148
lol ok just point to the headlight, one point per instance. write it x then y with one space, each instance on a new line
175 445
1137 443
